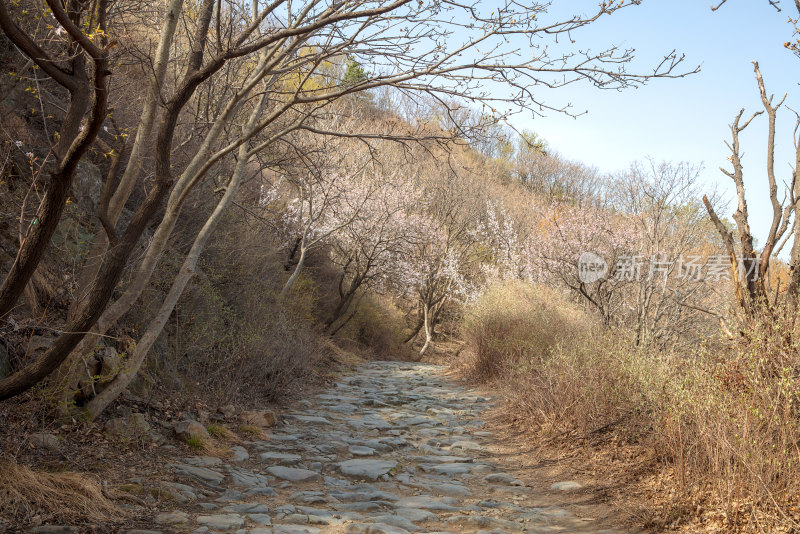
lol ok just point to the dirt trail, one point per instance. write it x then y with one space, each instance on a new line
393 448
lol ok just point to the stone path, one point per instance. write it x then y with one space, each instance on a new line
394 448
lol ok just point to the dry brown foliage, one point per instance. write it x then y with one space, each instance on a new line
28 495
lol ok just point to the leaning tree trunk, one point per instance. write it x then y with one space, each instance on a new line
134 166
296 273
428 331
107 278
73 143
187 270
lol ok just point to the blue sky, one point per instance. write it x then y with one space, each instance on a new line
684 119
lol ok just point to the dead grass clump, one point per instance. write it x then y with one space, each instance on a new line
63 497
515 323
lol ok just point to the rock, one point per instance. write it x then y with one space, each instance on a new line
308 497
294 529
230 495
203 461
371 469
116 427
293 474
54 529
240 454
467 445
426 502
266 492
360 450
201 473
502 478
448 469
416 514
280 458
358 506
311 419
110 361
482 521
260 519
221 521
259 418
452 490
375 528
44 440
132 426
395 521
172 518
363 492
566 485
181 492
247 478
247 508
190 429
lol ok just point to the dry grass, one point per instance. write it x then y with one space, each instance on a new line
722 420
514 324
65 497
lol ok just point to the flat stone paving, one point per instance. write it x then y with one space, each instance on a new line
394 448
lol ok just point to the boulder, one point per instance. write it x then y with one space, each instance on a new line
132 426
189 429
259 418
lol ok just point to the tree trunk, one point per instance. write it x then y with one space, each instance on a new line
292 279
76 329
349 317
134 166
428 332
415 330
158 244
156 325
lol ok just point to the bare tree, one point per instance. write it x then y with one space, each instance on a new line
750 268
672 300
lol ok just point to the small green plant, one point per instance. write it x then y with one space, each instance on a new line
197 444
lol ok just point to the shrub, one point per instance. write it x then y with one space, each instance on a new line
724 416
218 431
